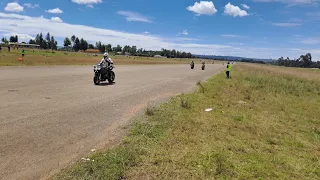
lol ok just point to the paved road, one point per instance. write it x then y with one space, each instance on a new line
50 116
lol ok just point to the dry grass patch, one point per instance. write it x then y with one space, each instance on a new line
44 58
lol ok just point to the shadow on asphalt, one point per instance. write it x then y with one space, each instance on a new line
106 84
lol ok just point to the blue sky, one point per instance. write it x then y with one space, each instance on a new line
250 28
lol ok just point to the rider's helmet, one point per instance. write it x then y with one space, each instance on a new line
105 55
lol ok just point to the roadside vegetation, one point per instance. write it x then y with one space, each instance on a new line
264 124
77 44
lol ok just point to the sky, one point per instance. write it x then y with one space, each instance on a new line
247 28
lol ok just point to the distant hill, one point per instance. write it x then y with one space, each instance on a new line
230 58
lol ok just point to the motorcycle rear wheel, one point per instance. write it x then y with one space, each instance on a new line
112 77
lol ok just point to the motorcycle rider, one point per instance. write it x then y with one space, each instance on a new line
106 59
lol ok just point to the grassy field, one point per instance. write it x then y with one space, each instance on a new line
264 125
41 57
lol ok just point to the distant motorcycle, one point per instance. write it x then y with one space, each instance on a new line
203 66
192 66
103 74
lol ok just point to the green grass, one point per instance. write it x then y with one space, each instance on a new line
275 134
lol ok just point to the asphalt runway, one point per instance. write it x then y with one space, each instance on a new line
51 116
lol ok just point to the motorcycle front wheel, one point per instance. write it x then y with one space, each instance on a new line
96 80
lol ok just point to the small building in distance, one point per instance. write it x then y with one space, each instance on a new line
159 56
23 45
96 51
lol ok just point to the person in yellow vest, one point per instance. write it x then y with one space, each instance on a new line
22 52
228 70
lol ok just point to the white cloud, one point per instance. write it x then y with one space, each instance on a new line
203 8
133 16
146 32
186 39
236 44
56 19
87 1
295 20
232 36
234 11
90 6
55 11
184 32
13 7
313 14
286 24
245 6
311 41
31 5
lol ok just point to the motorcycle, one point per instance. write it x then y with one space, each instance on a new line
103 74
203 66
192 66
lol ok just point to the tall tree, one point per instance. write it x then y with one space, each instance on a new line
133 50
118 48
73 39
16 39
76 46
83 44
66 42
126 49
37 39
174 53
48 41
41 41
53 43
98 45
109 48
91 46
4 40
44 44
102 48
31 41
12 39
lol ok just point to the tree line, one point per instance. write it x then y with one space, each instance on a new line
304 61
45 43
11 39
75 44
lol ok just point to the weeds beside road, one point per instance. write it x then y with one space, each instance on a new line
264 124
